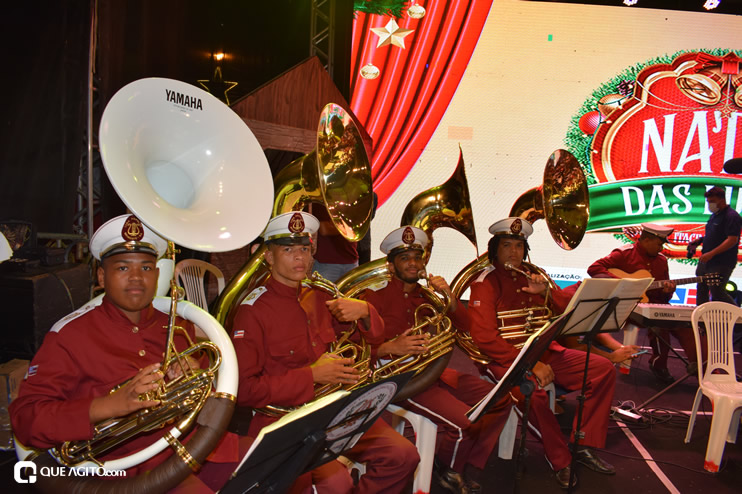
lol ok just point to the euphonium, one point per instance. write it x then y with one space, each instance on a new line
436 323
562 200
343 347
446 205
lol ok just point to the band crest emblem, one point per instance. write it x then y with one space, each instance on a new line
133 230
516 226
408 236
296 223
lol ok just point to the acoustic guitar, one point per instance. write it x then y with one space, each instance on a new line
712 279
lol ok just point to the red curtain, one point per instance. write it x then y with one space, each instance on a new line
402 107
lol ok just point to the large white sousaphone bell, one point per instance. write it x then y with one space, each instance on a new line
186 165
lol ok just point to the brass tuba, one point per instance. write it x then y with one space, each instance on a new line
337 174
360 353
445 205
562 200
180 160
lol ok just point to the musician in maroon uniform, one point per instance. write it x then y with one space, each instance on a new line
103 344
448 399
282 335
645 254
502 288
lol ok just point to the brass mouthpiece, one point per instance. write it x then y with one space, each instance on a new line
509 266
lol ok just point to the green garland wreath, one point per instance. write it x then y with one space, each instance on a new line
392 8
578 143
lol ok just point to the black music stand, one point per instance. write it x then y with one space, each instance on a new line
599 305
518 375
311 436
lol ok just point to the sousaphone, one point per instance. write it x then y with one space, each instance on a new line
337 175
188 167
446 205
562 200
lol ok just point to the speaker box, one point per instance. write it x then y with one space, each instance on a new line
32 301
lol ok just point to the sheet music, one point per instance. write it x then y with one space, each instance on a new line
592 297
291 416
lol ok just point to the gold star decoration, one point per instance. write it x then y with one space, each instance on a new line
217 85
391 34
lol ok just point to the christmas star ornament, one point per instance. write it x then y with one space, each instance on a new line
391 34
218 86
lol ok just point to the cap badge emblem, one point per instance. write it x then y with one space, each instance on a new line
296 223
408 236
133 230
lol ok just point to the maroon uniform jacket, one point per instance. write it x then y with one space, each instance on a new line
631 258
84 356
279 331
497 290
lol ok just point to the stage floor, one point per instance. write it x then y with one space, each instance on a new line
649 457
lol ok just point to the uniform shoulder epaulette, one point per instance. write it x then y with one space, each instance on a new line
378 286
92 304
484 273
254 295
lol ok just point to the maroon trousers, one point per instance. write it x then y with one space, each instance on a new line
458 441
390 462
569 368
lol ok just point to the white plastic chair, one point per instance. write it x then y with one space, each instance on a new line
717 379
425 434
191 273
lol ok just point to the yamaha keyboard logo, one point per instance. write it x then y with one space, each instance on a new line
184 100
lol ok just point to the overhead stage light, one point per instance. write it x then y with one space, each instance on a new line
711 4
630 2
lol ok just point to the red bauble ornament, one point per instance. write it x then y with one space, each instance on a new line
589 122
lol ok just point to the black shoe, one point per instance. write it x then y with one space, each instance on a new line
593 462
663 375
562 478
450 480
472 487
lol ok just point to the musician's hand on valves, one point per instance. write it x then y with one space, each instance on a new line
174 371
348 309
438 283
331 368
543 374
405 344
128 398
623 353
537 285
